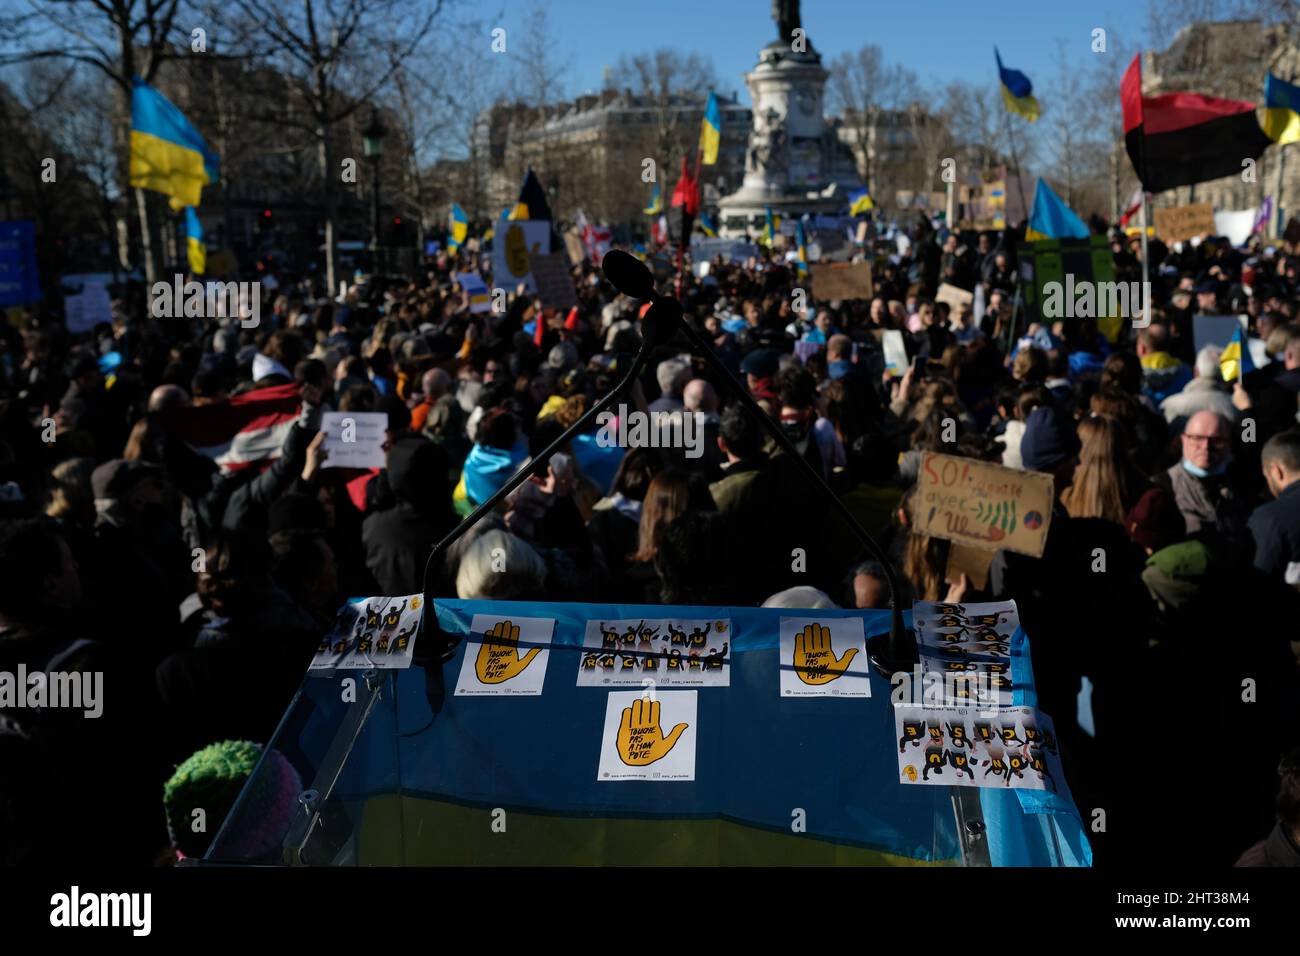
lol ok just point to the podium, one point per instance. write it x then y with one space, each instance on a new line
445 763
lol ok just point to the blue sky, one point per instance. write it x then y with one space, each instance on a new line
940 40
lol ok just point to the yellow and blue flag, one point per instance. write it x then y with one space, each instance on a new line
1017 91
710 131
770 226
707 226
1235 361
1281 110
801 245
656 204
167 153
459 228
195 246
1052 218
860 202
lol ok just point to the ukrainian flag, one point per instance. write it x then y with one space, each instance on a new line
656 204
770 227
802 245
1052 218
860 202
711 131
1235 361
1017 91
459 228
195 246
1281 110
167 153
707 226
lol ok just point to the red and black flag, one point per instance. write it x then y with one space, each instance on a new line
1182 138
687 196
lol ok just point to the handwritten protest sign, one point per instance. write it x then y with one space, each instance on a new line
840 280
982 505
354 439
1176 223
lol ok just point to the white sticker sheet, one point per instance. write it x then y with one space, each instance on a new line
649 736
962 747
671 652
824 657
969 645
371 632
505 656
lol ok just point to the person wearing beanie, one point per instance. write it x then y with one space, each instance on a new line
206 787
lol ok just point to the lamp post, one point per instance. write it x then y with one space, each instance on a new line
372 143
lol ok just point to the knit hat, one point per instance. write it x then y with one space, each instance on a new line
212 780
1047 441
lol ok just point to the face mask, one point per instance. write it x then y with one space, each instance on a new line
1200 472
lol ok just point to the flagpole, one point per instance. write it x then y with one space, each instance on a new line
1015 158
1146 260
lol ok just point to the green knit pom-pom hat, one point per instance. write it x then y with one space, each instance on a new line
210 780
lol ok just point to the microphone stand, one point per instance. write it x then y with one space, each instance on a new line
536 463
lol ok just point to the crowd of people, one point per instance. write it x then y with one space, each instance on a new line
1161 613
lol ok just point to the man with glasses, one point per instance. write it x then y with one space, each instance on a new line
1201 483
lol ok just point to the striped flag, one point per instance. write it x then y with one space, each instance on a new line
1235 361
710 131
245 432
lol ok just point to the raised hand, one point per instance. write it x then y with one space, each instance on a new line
641 740
498 655
814 658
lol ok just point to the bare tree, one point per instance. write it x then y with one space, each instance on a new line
333 45
121 39
861 89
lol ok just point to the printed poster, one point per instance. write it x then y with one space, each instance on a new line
673 652
824 658
371 632
355 439
970 646
505 656
950 747
650 737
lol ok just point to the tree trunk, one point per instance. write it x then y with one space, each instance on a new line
331 206
148 247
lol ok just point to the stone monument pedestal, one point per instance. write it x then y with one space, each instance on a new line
794 163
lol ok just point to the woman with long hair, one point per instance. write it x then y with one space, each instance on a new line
672 492
1106 484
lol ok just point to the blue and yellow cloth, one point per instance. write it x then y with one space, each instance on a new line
167 153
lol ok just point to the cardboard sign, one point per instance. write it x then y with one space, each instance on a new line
573 246
354 439
513 247
1177 223
851 280
984 506
554 284
955 297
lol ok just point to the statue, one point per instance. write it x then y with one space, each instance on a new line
786 15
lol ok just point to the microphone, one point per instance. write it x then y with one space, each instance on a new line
890 652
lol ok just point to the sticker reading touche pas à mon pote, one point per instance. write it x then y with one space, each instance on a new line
649 736
824 657
505 656
673 652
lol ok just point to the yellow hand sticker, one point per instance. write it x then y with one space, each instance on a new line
498 655
814 658
641 740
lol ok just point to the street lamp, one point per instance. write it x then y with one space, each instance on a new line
372 144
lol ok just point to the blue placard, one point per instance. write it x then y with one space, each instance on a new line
19 280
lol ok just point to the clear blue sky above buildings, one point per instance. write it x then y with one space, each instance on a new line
940 40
